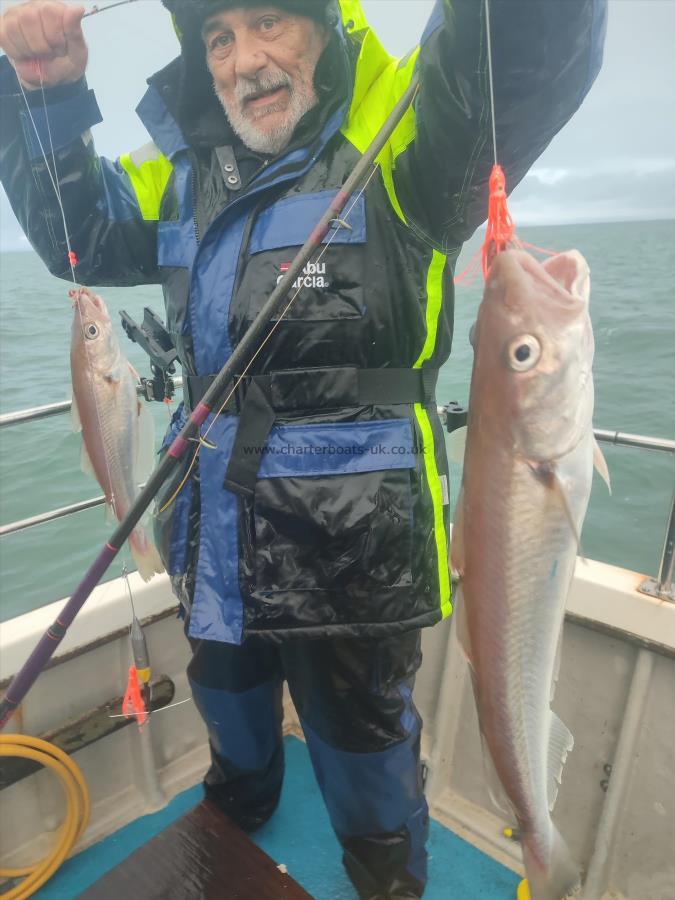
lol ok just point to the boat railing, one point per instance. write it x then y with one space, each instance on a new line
661 586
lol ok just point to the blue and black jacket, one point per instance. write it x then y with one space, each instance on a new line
340 523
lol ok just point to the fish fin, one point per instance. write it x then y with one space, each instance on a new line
145 555
555 878
462 624
75 419
134 373
456 444
145 447
457 539
562 496
560 743
110 516
600 464
493 785
495 790
547 474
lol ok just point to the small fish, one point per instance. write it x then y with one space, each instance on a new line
117 430
528 467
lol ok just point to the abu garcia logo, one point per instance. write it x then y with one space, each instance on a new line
313 276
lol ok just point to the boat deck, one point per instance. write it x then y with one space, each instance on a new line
299 836
188 859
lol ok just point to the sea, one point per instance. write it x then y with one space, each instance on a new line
633 312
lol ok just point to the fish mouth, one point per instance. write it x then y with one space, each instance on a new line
83 295
89 304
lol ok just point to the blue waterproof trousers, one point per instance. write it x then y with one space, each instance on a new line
354 699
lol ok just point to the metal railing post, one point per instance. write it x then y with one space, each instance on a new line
662 585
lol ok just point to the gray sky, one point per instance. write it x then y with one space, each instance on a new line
614 161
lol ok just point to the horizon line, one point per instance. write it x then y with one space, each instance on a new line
668 218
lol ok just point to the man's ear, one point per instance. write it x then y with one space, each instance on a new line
324 33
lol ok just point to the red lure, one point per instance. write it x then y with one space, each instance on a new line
133 705
501 228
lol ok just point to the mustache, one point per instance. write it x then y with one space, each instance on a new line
252 88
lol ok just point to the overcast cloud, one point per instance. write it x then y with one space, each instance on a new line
614 161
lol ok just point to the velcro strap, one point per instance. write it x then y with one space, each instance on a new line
255 425
328 388
384 386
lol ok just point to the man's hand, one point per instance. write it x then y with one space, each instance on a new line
43 39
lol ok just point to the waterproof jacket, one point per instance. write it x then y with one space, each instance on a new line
333 518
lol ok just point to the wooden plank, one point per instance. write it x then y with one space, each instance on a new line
201 855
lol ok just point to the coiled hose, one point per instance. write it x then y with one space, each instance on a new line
77 810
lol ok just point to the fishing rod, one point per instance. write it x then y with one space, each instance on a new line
214 399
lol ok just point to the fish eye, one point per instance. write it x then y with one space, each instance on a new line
523 353
91 331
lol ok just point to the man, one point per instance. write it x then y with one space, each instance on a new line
318 560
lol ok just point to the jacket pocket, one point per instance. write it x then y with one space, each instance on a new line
333 508
330 288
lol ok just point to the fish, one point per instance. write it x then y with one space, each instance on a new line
117 430
528 467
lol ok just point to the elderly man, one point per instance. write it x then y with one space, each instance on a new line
309 544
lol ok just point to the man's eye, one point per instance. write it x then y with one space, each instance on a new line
268 23
220 41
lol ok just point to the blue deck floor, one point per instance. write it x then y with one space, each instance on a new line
299 835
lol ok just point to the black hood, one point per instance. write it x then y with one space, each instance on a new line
191 14
186 85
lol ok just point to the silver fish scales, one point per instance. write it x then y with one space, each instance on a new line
117 432
528 469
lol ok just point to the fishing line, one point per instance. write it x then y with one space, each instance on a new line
72 258
154 711
341 223
488 29
125 576
500 231
101 9
52 177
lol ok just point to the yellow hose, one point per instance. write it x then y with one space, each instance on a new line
77 812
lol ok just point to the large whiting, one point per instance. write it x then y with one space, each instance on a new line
528 468
117 431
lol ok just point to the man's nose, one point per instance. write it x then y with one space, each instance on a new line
250 58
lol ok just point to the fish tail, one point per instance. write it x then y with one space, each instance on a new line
145 554
555 878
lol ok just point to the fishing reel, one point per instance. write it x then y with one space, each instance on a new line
155 340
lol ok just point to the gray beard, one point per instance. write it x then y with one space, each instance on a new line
302 99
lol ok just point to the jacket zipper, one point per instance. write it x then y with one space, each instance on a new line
194 201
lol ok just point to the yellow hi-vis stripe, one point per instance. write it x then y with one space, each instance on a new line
380 81
148 180
437 501
434 305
